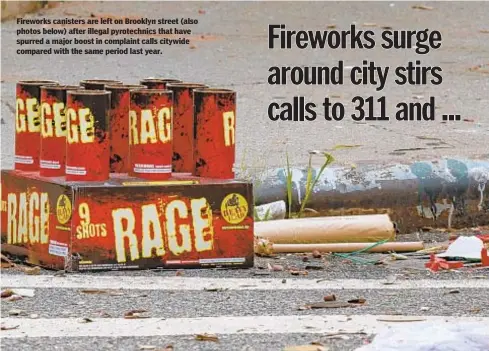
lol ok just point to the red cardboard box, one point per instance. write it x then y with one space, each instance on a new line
127 223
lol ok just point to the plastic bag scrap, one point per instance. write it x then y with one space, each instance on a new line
432 337
467 247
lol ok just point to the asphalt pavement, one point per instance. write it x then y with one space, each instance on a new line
229 49
246 309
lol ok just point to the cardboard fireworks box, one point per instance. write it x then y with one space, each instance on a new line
127 223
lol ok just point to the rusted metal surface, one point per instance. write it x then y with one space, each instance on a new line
53 129
119 126
125 223
151 133
444 193
214 133
88 146
183 125
158 83
28 124
98 84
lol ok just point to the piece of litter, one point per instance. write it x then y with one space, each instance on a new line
24 292
390 280
401 319
207 337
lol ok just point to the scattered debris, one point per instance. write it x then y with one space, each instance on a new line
135 314
6 262
359 301
271 211
100 292
464 247
298 272
32 270
327 304
16 312
13 298
147 347
454 292
214 289
207 337
61 273
331 26
311 347
7 293
485 31
422 7
179 273
23 292
33 316
275 268
313 268
435 264
391 279
316 254
263 247
4 327
103 314
201 12
396 256
86 320
401 319
484 68
331 297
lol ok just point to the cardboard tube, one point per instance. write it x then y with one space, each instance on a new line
348 247
323 230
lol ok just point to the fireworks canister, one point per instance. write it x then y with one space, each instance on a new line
214 133
158 83
183 125
53 130
98 84
150 150
120 100
88 146
28 124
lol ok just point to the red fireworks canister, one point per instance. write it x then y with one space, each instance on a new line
150 150
158 83
53 130
183 125
98 84
119 126
28 124
214 133
88 146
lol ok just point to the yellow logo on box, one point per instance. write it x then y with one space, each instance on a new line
234 208
63 209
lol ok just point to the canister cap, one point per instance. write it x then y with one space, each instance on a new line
88 92
186 85
62 87
161 80
125 86
214 91
38 82
153 91
101 81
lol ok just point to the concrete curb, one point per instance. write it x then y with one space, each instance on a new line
447 193
12 9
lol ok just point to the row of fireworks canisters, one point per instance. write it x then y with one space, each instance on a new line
149 131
